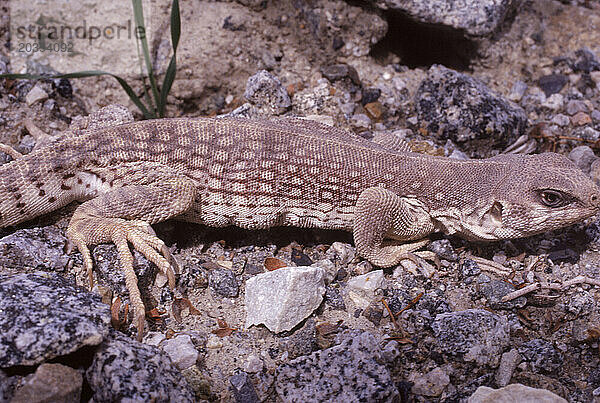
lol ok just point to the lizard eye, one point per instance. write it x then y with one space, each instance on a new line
552 198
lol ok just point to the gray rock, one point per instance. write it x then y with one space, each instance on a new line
432 383
44 316
458 107
475 334
265 90
253 364
443 248
282 298
542 356
243 389
495 290
360 121
561 120
353 370
474 17
50 383
124 369
575 105
515 393
583 157
223 283
34 248
508 364
554 102
368 282
181 350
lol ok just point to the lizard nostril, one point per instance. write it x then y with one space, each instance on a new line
594 198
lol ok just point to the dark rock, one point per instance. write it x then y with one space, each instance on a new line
458 107
585 61
231 24
223 283
374 312
542 356
370 95
34 248
443 248
337 72
299 258
243 389
496 289
475 335
473 17
325 373
586 85
44 316
553 83
63 87
124 369
338 43
469 268
566 255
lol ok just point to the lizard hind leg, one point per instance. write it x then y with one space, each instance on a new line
381 214
123 216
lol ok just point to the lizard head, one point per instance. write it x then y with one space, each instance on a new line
540 193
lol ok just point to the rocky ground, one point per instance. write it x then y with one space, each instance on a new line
492 77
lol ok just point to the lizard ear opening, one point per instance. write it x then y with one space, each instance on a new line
494 215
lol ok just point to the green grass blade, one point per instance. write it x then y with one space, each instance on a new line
138 13
89 73
172 69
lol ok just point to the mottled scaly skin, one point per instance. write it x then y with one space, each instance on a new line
260 173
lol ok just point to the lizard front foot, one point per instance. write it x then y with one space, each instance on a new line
84 231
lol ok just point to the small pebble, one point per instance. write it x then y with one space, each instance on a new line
36 94
574 106
554 102
517 91
561 120
581 119
552 83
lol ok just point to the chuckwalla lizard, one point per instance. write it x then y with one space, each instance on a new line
262 173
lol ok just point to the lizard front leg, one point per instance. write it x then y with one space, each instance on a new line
124 215
381 214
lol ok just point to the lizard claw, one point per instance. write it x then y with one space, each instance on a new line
121 233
